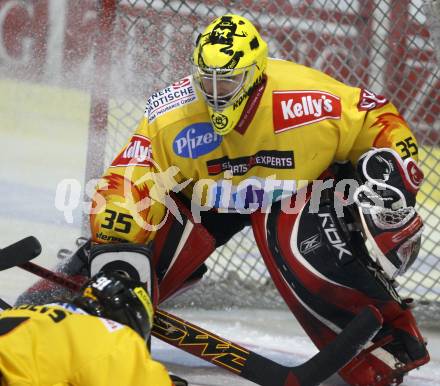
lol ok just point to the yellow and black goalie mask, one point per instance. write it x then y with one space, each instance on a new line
229 61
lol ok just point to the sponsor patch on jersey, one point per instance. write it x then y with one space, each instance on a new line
239 166
249 195
196 140
136 153
299 108
368 100
178 94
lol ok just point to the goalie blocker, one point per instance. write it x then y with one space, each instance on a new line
321 267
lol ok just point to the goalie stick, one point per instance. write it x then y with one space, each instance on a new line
235 358
4 305
20 252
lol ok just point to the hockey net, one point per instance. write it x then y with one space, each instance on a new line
384 46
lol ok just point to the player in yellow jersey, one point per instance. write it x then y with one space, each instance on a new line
97 338
229 146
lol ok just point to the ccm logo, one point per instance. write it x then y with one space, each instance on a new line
299 108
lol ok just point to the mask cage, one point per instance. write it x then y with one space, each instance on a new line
222 87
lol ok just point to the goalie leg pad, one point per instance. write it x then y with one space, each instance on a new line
179 252
325 282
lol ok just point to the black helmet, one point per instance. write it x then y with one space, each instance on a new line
113 295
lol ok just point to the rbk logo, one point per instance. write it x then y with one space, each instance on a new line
299 108
310 244
333 236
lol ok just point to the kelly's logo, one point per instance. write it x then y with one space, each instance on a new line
136 153
299 108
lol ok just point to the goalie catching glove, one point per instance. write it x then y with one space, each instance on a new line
386 202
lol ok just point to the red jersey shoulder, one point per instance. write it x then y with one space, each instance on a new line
303 107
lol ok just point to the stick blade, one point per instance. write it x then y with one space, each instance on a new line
349 343
20 252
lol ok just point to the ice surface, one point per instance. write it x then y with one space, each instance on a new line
269 333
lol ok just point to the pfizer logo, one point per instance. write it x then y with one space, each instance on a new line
196 140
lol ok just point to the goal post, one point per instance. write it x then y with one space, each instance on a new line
432 11
99 102
382 45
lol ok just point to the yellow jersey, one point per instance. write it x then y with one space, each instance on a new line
296 123
61 345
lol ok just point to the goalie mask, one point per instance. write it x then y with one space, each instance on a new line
112 295
229 60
